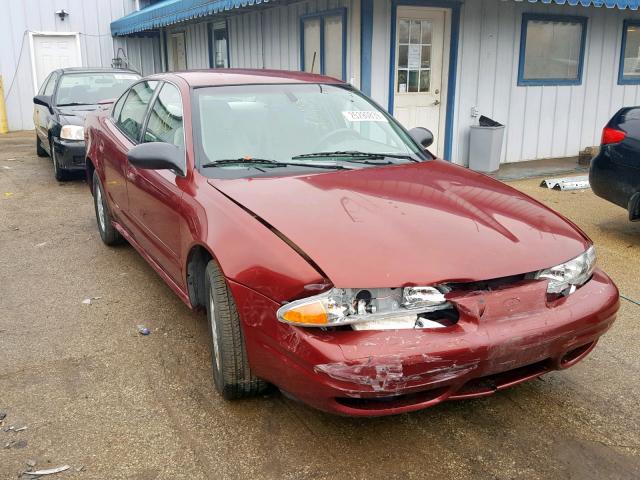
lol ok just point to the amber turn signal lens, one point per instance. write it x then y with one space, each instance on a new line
310 314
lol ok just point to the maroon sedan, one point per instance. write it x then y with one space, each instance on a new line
335 257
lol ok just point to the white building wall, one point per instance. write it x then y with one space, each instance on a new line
91 18
542 122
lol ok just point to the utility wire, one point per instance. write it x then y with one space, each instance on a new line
15 73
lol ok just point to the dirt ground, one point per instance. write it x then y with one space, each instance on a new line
96 395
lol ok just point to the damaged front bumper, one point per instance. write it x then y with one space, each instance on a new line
503 337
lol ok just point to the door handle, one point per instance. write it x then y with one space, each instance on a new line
437 102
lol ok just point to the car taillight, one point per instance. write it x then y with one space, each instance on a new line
611 135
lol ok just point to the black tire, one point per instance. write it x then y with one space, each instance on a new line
232 376
109 235
41 152
59 173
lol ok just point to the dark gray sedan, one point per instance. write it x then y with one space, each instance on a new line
63 101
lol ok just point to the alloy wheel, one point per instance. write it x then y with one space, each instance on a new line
214 330
100 208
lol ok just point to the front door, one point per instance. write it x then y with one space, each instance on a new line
419 70
178 51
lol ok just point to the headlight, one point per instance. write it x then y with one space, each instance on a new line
72 132
389 307
565 278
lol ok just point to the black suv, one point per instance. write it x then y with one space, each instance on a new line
615 172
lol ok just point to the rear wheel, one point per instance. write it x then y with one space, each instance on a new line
109 235
231 373
40 151
58 172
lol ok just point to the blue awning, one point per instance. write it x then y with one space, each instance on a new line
621 4
168 12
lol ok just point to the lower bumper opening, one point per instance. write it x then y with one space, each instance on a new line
575 355
482 386
395 401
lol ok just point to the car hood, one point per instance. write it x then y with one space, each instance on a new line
411 224
75 115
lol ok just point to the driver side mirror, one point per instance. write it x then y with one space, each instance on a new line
44 100
422 135
158 156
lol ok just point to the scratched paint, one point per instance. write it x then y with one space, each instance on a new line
386 374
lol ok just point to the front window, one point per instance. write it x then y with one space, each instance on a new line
309 123
91 88
165 118
323 43
552 50
630 61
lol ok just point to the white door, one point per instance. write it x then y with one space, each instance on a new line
419 70
54 51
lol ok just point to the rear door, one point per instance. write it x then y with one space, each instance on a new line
155 196
123 132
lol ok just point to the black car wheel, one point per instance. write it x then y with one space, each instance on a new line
231 373
108 234
40 151
59 173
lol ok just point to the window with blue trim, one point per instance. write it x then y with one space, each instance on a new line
630 57
324 43
552 50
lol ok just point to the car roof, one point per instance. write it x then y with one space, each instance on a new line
95 70
233 76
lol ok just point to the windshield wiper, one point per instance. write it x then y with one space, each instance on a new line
271 163
354 155
72 104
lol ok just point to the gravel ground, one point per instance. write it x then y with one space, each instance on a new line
112 404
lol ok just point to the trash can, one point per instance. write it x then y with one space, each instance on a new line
485 146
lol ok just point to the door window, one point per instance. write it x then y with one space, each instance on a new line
117 107
134 109
414 55
51 85
165 118
44 85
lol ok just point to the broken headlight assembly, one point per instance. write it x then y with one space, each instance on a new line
369 309
72 132
566 277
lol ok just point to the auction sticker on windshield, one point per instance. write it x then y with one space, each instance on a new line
364 116
125 76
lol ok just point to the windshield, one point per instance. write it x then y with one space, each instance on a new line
312 123
91 88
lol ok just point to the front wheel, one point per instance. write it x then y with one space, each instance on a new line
58 172
231 373
109 235
40 151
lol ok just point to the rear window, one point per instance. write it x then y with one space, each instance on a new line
91 88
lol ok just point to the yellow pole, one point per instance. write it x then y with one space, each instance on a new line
4 127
